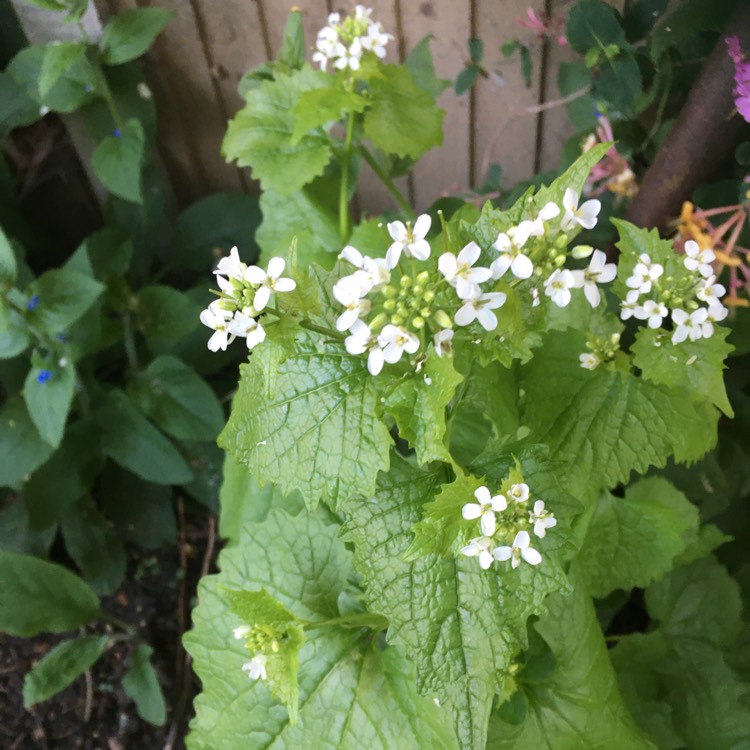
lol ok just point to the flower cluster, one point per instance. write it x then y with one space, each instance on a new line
613 172
507 539
345 42
652 296
245 294
600 349
260 640
741 90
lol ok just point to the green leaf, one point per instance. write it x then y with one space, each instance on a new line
462 625
131 32
59 58
303 564
141 684
306 419
641 17
318 107
48 400
212 226
23 448
420 64
178 400
64 296
134 443
466 79
578 705
18 535
419 408
8 265
619 81
259 607
293 48
651 526
41 597
242 501
118 159
109 252
605 424
14 336
593 23
261 135
163 312
698 364
61 666
403 119
95 549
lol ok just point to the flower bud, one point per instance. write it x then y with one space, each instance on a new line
429 295
423 277
425 312
418 323
418 289
397 320
559 261
561 242
378 321
579 252
405 282
390 291
442 319
390 305
402 310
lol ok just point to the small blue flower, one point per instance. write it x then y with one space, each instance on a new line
61 337
33 303
87 88
43 376
116 133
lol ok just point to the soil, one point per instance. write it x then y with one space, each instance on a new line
94 713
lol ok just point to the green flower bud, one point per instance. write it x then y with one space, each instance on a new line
418 323
405 282
425 312
429 295
561 241
390 291
378 321
442 319
418 289
559 261
423 277
227 304
390 305
397 320
402 310
579 252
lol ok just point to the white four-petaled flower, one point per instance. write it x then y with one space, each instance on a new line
268 281
584 215
520 549
589 360
480 547
598 272
458 271
480 309
394 341
698 260
443 341
688 325
542 519
709 291
653 312
361 340
519 493
347 291
644 274
256 667
509 245
408 239
231 266
558 286
484 509
245 326
217 318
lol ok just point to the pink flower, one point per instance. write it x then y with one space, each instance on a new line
544 25
741 89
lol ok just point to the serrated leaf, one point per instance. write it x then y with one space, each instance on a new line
130 440
23 448
462 625
64 296
578 706
304 417
318 107
178 400
48 400
61 666
41 597
419 407
117 162
633 541
420 64
699 364
403 119
141 684
302 563
131 32
260 135
259 608
59 58
606 424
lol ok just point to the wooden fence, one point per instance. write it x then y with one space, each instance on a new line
197 62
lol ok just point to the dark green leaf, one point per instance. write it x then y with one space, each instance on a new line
319 107
41 597
23 448
61 666
117 162
466 79
476 49
641 17
48 394
18 535
8 265
593 23
59 58
619 82
165 313
422 68
14 336
142 685
130 33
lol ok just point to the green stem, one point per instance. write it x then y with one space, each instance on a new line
118 623
388 182
344 228
107 95
304 323
361 620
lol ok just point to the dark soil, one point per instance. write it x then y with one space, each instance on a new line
94 713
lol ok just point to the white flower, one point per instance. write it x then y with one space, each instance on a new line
376 39
480 547
484 509
598 272
270 281
409 240
519 493
232 266
644 274
654 312
458 271
627 308
697 259
509 246
558 286
243 631
394 341
585 215
689 325
217 318
480 308
351 255
520 549
443 341
541 519
256 668
709 291
589 361
245 326
716 313
350 57
360 340
347 293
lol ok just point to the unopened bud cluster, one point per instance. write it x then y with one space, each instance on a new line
601 349
261 641
504 520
